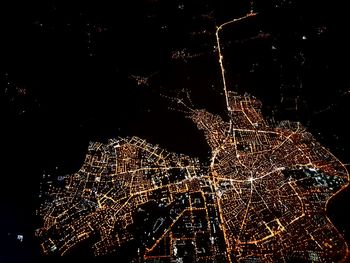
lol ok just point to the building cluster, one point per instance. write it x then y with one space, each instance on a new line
262 198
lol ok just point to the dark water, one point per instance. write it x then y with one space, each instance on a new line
74 61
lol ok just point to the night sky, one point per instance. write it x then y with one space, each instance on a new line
67 77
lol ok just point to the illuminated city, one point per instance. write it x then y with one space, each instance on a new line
261 198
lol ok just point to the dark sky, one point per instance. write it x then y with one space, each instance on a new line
65 79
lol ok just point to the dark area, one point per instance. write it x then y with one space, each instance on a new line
65 80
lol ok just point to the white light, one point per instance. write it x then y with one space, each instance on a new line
20 238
